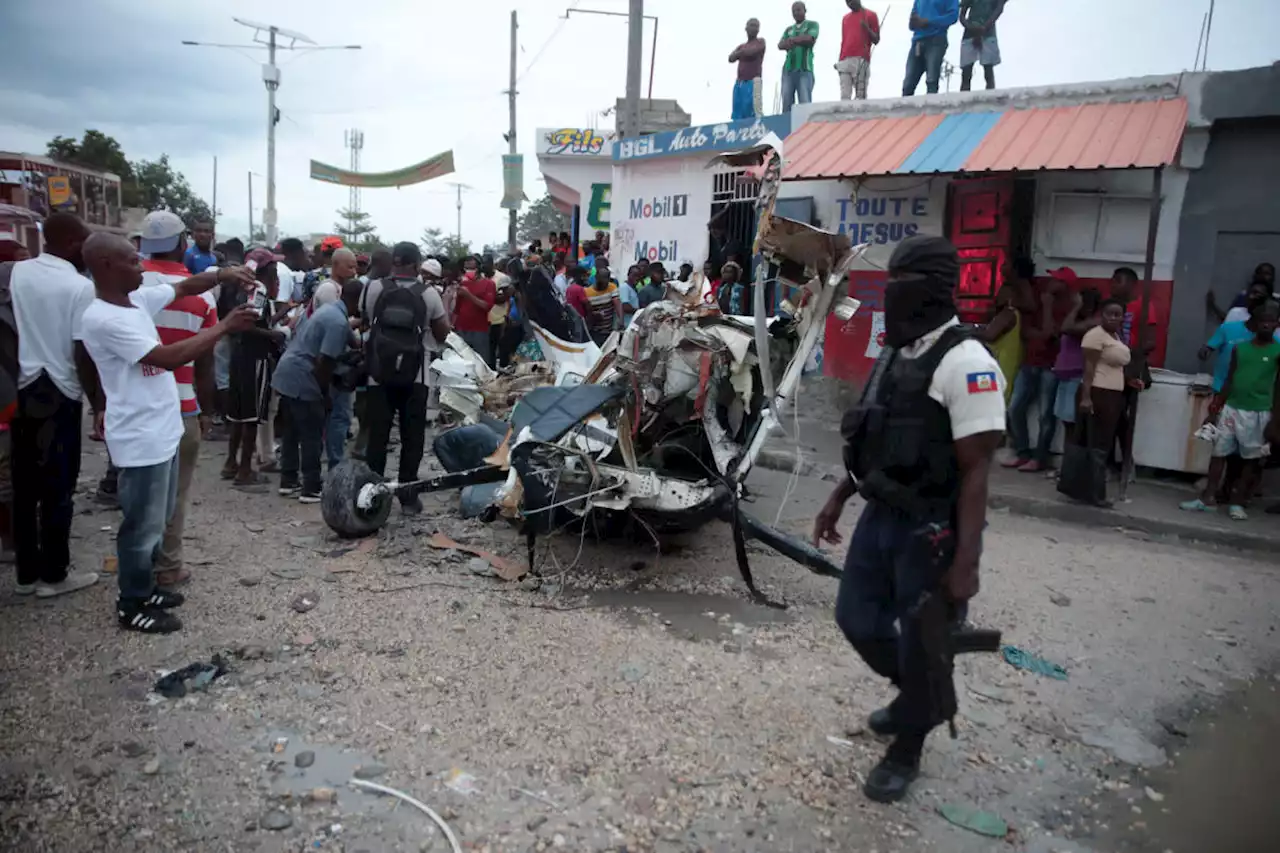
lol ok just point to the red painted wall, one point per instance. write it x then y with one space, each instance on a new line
845 347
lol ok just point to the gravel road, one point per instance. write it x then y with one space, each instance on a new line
630 701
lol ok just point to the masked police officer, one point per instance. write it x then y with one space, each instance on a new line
919 446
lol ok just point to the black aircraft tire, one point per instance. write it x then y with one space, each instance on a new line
342 487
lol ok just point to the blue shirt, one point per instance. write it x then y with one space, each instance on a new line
627 296
197 261
1223 342
326 332
940 14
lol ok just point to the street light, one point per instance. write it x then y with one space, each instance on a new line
653 51
271 77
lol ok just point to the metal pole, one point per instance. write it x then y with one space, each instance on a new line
511 133
635 44
214 213
251 207
1148 270
653 59
459 233
1204 22
271 75
1208 32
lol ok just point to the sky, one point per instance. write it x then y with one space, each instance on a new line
431 76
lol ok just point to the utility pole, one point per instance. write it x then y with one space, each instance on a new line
251 207
459 187
511 137
354 140
271 77
635 46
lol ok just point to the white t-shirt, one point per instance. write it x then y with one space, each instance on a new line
49 301
968 383
144 415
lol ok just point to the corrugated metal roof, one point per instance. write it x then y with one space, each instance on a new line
949 146
1121 135
1117 135
837 149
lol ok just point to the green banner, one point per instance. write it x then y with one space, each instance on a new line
513 181
441 164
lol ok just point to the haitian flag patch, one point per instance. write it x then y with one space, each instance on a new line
981 383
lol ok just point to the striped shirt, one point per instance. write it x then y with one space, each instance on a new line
181 319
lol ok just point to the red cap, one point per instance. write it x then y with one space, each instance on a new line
1064 274
262 257
330 243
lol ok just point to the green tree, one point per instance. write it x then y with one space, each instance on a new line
150 184
95 150
355 228
539 220
436 242
157 185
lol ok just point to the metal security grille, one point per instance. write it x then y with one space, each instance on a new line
733 186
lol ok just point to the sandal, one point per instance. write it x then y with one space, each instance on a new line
1197 505
255 482
229 472
1236 513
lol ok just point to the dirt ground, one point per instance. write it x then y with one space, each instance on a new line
631 700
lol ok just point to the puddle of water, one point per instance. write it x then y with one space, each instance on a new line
334 767
1220 792
685 611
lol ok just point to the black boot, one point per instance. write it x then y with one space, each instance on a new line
890 780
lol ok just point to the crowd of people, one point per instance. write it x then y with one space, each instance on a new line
177 340
930 23
1079 359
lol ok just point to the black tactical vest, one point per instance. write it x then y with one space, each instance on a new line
899 446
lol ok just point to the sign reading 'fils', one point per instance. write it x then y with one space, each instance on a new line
884 219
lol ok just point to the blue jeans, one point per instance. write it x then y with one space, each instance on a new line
148 496
335 432
925 60
797 87
887 569
301 442
1041 385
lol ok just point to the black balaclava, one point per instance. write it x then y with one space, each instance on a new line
920 294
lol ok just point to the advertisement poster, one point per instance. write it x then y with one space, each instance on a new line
659 212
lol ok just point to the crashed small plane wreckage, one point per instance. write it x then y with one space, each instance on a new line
657 430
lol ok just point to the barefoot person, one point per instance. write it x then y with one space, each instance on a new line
144 413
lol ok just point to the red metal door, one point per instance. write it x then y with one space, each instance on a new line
980 230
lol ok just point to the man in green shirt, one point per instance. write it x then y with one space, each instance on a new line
1244 409
797 72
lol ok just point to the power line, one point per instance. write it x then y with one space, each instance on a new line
550 38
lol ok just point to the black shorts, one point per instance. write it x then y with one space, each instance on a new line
249 394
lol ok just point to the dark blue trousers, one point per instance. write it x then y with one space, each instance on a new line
886 571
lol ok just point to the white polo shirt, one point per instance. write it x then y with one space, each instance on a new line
49 301
968 383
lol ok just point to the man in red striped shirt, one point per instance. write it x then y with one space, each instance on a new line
182 319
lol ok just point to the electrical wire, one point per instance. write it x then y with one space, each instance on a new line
547 43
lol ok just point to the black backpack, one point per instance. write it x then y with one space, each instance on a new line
394 353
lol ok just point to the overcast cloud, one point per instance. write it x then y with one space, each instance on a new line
431 76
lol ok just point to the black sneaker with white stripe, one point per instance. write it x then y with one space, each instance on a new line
147 619
164 599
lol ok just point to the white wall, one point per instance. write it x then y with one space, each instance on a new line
670 198
583 174
1065 226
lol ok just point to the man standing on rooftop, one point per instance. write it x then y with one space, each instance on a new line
797 72
930 20
978 18
748 91
860 30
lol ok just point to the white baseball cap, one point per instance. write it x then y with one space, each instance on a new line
432 267
161 230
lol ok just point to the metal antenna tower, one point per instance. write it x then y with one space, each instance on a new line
353 139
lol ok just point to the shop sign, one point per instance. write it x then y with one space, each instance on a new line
709 138
574 141
884 219
60 194
661 215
